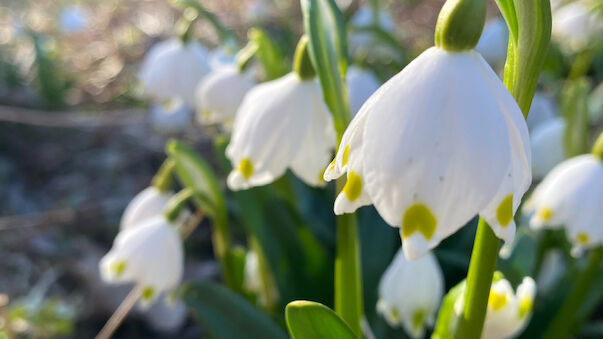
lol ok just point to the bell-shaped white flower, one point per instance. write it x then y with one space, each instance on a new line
438 143
149 255
576 25
548 146
167 316
220 94
147 204
493 43
542 109
410 293
508 312
281 124
361 85
173 69
171 116
571 196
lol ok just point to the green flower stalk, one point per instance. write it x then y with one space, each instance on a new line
530 29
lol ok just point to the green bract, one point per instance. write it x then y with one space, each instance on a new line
460 24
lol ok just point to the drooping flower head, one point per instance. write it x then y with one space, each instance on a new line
172 69
571 196
281 124
147 204
149 255
410 293
508 312
170 116
548 146
440 142
220 94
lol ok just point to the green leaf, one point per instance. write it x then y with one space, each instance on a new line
507 9
310 320
324 25
268 54
447 318
195 173
226 315
574 108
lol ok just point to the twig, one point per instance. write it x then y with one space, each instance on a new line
191 224
71 119
120 314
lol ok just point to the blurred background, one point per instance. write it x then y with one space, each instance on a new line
77 142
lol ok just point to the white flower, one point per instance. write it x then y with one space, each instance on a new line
410 293
548 147
173 69
223 56
167 316
171 116
361 85
73 20
220 94
576 25
493 43
147 204
438 143
150 255
253 281
281 124
571 196
552 270
542 109
508 313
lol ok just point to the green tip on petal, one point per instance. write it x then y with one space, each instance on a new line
460 24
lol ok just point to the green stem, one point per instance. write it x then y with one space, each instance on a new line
562 322
177 203
479 280
164 178
348 274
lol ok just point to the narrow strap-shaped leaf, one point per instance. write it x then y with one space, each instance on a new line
311 320
227 315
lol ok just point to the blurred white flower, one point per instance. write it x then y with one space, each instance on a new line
576 25
253 281
541 110
508 312
172 69
147 204
167 315
548 147
571 196
149 255
493 43
73 20
552 270
361 85
281 124
438 143
171 116
223 56
220 94
410 293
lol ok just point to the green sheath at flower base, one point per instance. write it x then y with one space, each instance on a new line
460 24
598 147
302 65
245 55
164 179
177 203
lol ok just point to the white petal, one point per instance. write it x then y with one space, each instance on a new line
269 129
147 204
436 138
220 93
317 146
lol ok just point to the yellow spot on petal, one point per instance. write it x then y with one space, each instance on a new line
525 306
418 218
321 176
346 154
417 319
246 168
497 301
504 212
353 187
148 293
118 267
545 213
394 315
582 238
